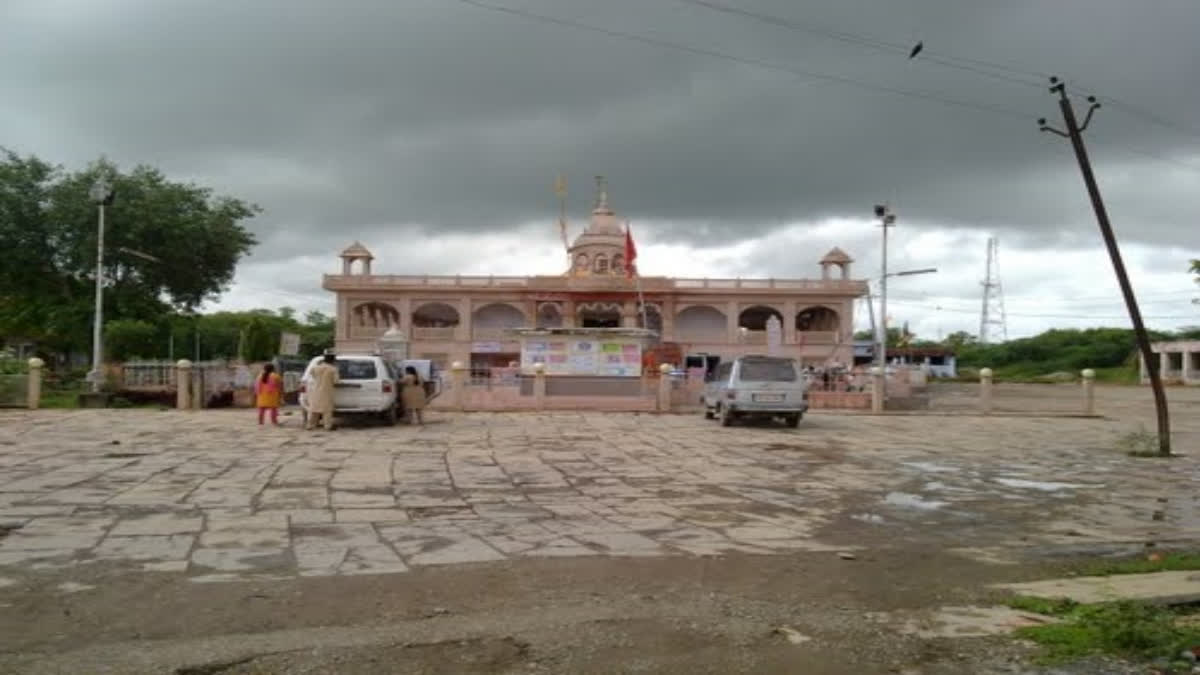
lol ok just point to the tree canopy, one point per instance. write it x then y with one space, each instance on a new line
169 246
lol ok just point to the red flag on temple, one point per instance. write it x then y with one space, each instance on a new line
630 253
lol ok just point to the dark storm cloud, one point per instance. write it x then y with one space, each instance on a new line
346 120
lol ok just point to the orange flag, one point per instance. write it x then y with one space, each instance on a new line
630 253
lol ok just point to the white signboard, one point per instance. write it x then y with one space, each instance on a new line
582 356
486 347
289 344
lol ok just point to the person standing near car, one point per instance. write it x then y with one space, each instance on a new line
320 399
268 389
412 394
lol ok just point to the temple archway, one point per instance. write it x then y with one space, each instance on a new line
498 315
375 315
817 318
755 318
435 315
599 315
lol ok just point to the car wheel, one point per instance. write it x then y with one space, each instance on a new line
389 417
793 420
708 412
726 416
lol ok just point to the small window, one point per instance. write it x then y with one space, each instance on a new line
618 263
767 370
601 264
581 261
356 369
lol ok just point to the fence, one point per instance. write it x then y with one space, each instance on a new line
14 391
497 389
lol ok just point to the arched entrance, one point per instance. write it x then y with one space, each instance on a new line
817 319
755 318
599 315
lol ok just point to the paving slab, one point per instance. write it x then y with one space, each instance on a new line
1164 588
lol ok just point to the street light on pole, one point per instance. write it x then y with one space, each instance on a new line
102 195
886 219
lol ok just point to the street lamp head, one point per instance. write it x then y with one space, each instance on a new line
880 210
101 192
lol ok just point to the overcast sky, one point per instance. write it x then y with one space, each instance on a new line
431 130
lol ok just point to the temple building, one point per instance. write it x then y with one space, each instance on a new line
470 319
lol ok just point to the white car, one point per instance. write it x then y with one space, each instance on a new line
756 386
367 385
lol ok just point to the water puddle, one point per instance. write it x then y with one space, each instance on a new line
930 467
912 501
873 518
1045 486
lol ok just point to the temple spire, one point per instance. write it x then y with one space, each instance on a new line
602 196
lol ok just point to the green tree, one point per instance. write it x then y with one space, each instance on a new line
126 339
960 339
193 237
260 342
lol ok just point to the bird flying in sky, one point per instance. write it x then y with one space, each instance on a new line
916 50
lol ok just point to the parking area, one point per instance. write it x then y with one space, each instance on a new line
212 496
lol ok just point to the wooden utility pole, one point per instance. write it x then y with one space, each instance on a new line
1074 132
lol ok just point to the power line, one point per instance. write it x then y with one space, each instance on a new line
991 69
806 74
1023 77
1042 316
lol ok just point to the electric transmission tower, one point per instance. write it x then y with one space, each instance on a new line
992 322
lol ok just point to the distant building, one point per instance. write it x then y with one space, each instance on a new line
1178 362
938 361
470 319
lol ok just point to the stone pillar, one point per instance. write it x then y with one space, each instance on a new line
568 314
197 388
183 384
539 386
630 316
668 320
877 393
1187 364
985 390
34 391
664 388
1164 363
731 322
789 322
458 380
1089 391
463 331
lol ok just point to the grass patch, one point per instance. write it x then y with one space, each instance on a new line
60 398
1118 375
1169 562
1140 443
1129 630
1047 606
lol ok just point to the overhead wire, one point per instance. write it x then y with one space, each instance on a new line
761 63
990 69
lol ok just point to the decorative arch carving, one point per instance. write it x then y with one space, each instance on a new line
374 315
499 315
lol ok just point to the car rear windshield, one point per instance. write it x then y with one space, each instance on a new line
356 369
768 370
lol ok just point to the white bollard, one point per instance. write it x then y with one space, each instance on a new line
183 384
34 391
1089 391
539 386
664 388
458 378
877 394
985 390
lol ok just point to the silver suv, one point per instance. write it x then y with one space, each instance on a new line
756 387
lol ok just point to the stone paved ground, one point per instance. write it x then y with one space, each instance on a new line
212 496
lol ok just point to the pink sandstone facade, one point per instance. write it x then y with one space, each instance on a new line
466 319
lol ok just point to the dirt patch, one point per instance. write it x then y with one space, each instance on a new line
450 657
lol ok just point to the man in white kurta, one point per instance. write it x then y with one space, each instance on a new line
322 383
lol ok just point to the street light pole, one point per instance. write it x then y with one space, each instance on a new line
102 194
886 220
